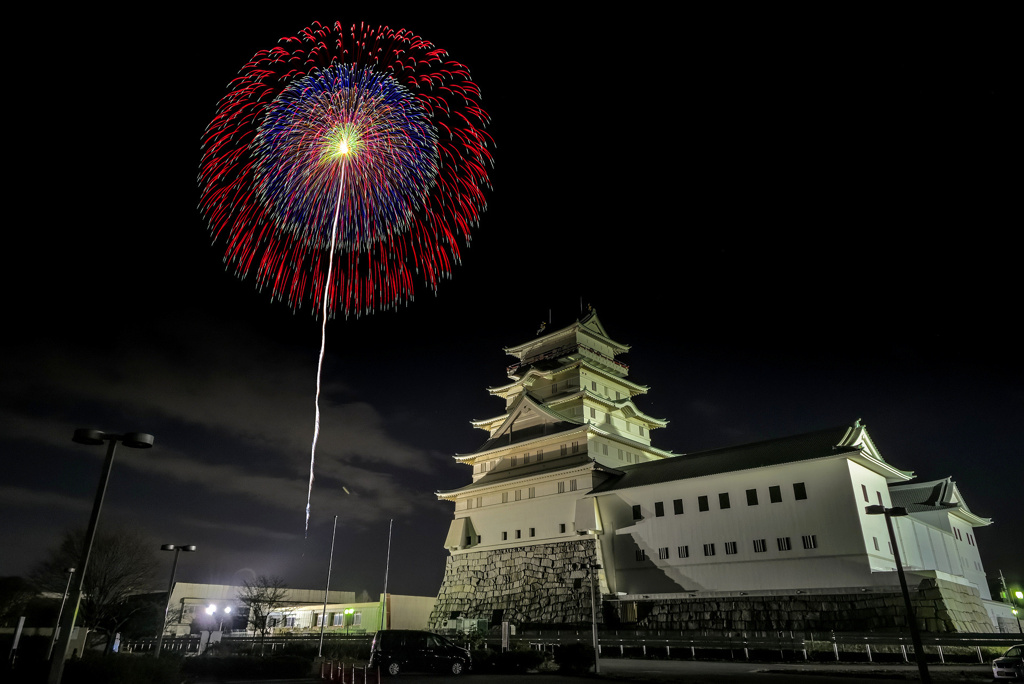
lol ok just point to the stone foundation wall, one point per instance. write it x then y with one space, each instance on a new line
940 606
540 584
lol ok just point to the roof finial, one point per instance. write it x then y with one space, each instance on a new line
857 424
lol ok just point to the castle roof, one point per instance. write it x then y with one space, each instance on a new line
852 442
937 495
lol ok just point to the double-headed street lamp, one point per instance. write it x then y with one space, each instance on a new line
915 633
135 440
188 548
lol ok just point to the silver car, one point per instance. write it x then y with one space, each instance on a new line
1011 665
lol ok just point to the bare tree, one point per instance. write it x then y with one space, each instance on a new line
122 564
263 596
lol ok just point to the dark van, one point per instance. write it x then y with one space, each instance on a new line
398 650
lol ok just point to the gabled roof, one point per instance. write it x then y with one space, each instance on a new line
589 322
523 475
850 441
937 495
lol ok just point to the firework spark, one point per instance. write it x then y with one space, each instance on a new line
362 146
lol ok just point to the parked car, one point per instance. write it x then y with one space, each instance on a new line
1011 665
398 650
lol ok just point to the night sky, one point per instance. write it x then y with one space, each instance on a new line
796 221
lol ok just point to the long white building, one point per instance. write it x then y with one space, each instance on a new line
568 480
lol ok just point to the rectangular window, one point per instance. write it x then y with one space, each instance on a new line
469 541
515 461
730 548
663 553
760 546
478 539
575 447
337 619
533 531
504 497
519 494
799 491
637 515
702 503
880 498
504 536
554 388
357 619
677 505
875 540
641 431
775 494
593 385
561 528
561 488
864 488
659 509
519 534
620 454
479 501
607 417
563 450
593 413
723 500
810 541
572 485
709 549
751 497
641 555
531 492
526 459
540 455
604 449
784 544
683 551
289 621
469 503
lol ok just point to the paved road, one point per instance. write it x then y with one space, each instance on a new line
617 670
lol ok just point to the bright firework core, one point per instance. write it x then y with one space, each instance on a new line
385 136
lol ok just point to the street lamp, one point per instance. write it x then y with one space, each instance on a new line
915 634
188 548
63 600
348 612
135 440
593 617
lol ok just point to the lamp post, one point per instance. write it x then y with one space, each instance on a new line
323 616
915 634
135 440
348 612
593 617
63 600
188 548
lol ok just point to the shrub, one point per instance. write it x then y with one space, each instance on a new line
574 658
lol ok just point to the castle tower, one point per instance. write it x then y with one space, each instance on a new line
523 534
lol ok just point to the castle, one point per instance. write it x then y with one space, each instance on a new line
568 488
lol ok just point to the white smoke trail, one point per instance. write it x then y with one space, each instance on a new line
323 342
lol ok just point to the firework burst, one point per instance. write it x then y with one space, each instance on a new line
416 157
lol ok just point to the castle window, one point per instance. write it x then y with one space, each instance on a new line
563 450
641 555
880 498
519 534
723 500
641 430
620 454
593 412
637 514
799 491
775 494
504 497
469 541
561 487
751 497
540 455
572 485
526 459
730 548
702 504
784 544
478 538
604 449
677 505
479 501
617 395
531 492
519 494
875 540
469 503
515 461
554 388
575 447
760 546
533 531
561 528
593 386
663 553
683 551
504 536
864 488
810 541
659 509
709 549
